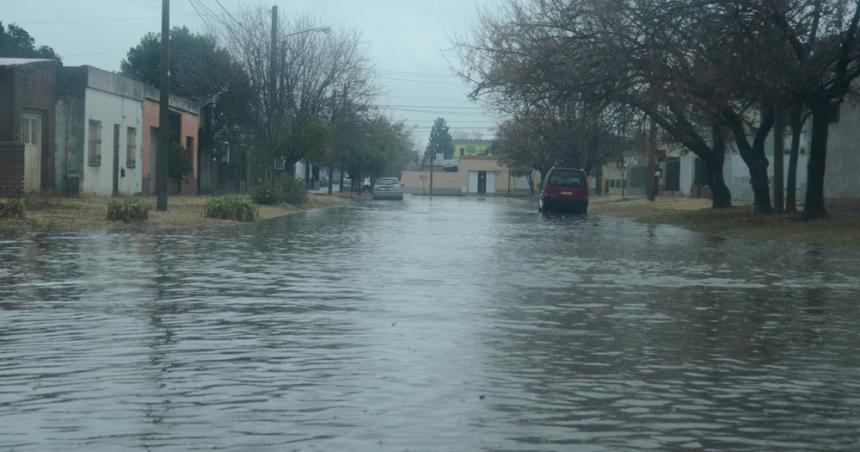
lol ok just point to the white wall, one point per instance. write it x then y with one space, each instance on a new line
491 182
111 109
522 183
842 173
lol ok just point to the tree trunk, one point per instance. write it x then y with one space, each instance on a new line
722 197
330 176
754 157
814 207
778 151
791 181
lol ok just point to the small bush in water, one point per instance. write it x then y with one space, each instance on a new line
239 208
11 208
127 210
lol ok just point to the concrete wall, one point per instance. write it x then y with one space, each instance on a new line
11 169
458 183
69 161
112 109
444 183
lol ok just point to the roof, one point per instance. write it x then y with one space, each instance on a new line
22 61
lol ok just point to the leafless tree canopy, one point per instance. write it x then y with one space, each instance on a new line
311 74
700 69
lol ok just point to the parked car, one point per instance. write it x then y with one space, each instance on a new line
565 189
388 188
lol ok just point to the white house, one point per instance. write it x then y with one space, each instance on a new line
99 132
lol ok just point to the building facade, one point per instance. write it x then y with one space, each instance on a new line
475 175
99 123
28 97
184 120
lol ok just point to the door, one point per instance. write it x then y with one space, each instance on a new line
31 136
115 187
482 182
153 156
491 182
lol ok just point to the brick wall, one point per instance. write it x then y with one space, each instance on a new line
30 88
7 104
36 84
11 169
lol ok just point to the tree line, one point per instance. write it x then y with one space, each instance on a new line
582 79
300 93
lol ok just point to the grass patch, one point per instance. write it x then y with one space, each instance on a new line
127 210
238 208
11 208
736 222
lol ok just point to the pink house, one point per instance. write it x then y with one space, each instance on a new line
184 129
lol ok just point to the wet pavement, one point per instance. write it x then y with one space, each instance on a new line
456 324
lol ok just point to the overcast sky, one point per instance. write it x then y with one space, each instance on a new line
406 39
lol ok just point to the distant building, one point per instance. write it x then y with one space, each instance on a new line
471 148
475 175
28 96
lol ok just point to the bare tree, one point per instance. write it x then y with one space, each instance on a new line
823 62
297 82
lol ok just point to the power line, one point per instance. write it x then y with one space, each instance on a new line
85 21
432 82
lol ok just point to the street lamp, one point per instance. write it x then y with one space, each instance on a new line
323 30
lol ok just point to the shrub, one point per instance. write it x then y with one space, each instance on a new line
127 210
11 208
267 193
294 191
239 208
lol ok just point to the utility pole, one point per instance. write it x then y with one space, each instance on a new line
653 182
778 150
163 112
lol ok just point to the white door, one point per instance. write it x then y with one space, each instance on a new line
31 136
473 182
491 182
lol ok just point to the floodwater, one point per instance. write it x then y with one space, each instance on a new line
456 324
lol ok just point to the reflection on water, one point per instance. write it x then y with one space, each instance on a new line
426 325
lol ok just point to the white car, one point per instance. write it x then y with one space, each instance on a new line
388 188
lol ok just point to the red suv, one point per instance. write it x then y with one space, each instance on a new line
565 189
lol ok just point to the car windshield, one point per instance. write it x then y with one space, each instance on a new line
386 182
570 178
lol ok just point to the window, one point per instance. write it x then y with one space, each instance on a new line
94 148
31 132
567 178
130 147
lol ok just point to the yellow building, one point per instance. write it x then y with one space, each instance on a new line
469 148
473 175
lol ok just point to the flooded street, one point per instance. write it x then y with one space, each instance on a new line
456 324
